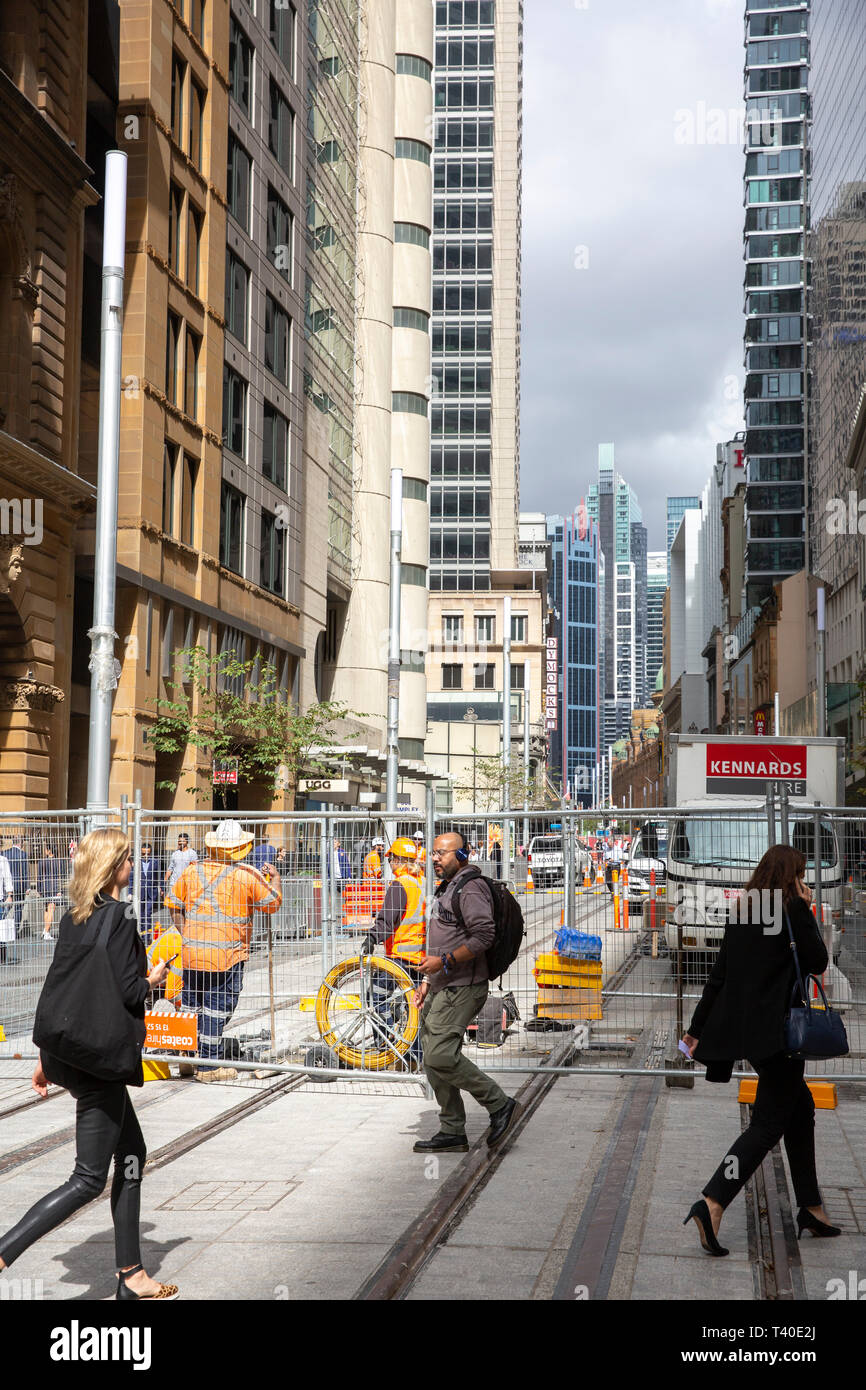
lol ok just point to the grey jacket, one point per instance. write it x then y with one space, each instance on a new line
444 932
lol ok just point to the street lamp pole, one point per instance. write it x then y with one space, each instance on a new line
103 678
393 754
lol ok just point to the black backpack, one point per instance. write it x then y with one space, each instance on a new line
507 918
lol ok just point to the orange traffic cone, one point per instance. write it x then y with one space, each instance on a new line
586 882
530 886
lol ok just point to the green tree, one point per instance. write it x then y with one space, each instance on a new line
490 783
234 711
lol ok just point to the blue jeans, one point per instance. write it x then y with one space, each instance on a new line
213 994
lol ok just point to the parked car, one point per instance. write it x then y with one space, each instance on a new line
547 861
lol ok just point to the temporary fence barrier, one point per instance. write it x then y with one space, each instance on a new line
272 974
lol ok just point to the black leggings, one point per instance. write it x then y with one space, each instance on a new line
783 1109
106 1126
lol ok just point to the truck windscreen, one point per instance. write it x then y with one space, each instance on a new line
718 842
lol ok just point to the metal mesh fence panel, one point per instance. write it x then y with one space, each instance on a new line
277 963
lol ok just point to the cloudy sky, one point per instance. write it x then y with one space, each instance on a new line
632 245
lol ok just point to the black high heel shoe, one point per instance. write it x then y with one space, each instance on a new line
167 1292
806 1221
700 1214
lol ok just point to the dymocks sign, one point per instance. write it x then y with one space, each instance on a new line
748 766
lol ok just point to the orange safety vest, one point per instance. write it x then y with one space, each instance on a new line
166 945
409 941
218 900
373 865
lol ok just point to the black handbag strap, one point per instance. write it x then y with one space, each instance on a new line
99 924
804 995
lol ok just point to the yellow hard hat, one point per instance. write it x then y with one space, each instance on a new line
403 849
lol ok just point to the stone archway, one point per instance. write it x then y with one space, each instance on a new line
26 705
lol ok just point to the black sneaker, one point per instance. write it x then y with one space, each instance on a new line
442 1144
500 1122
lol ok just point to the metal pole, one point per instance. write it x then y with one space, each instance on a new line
526 680
506 735
136 855
325 893
610 774
771 815
826 936
783 813
822 667
776 714
102 634
394 652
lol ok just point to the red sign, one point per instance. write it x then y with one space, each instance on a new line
745 767
738 456
760 721
226 773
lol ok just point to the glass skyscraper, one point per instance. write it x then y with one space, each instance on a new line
776 198
657 582
675 510
576 586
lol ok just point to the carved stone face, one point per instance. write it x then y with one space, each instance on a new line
10 563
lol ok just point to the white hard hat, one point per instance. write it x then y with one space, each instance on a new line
378 842
419 835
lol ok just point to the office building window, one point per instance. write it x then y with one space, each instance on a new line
484 677
169 471
412 318
275 447
452 629
280 235
191 366
415 489
196 123
231 528
175 218
240 67
239 177
277 340
172 357
452 677
518 627
195 18
237 296
273 554
485 628
281 130
408 64
178 81
187 500
194 226
234 411
408 403
414 234
415 575
412 149
281 29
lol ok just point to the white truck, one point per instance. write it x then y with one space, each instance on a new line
711 856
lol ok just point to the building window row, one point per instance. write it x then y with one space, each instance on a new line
272 541
463 381
470 338
412 318
464 463
409 65
179 479
464 53
188 101
465 215
463 255
464 135
414 489
466 175
451 503
460 545
409 403
413 149
412 234
193 12
465 420
777 51
460 94
465 14
471 298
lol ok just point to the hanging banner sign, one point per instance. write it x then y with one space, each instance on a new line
551 684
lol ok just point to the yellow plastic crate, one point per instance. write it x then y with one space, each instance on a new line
551 969
574 1004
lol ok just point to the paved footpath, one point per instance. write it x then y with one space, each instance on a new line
303 1198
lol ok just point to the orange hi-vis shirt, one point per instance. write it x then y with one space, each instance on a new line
373 865
408 941
218 902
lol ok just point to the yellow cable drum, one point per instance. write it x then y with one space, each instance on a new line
365 1012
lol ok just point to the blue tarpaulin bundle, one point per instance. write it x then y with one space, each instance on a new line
577 945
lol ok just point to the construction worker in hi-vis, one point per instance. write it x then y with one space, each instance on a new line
401 925
373 869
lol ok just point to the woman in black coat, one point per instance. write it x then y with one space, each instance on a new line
740 1014
106 1123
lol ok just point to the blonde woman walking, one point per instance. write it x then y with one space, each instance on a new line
106 1123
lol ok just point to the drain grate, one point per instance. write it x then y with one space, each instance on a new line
229 1196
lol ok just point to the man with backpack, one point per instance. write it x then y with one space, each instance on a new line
461 930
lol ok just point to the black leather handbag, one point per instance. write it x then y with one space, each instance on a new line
81 1017
811 1033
